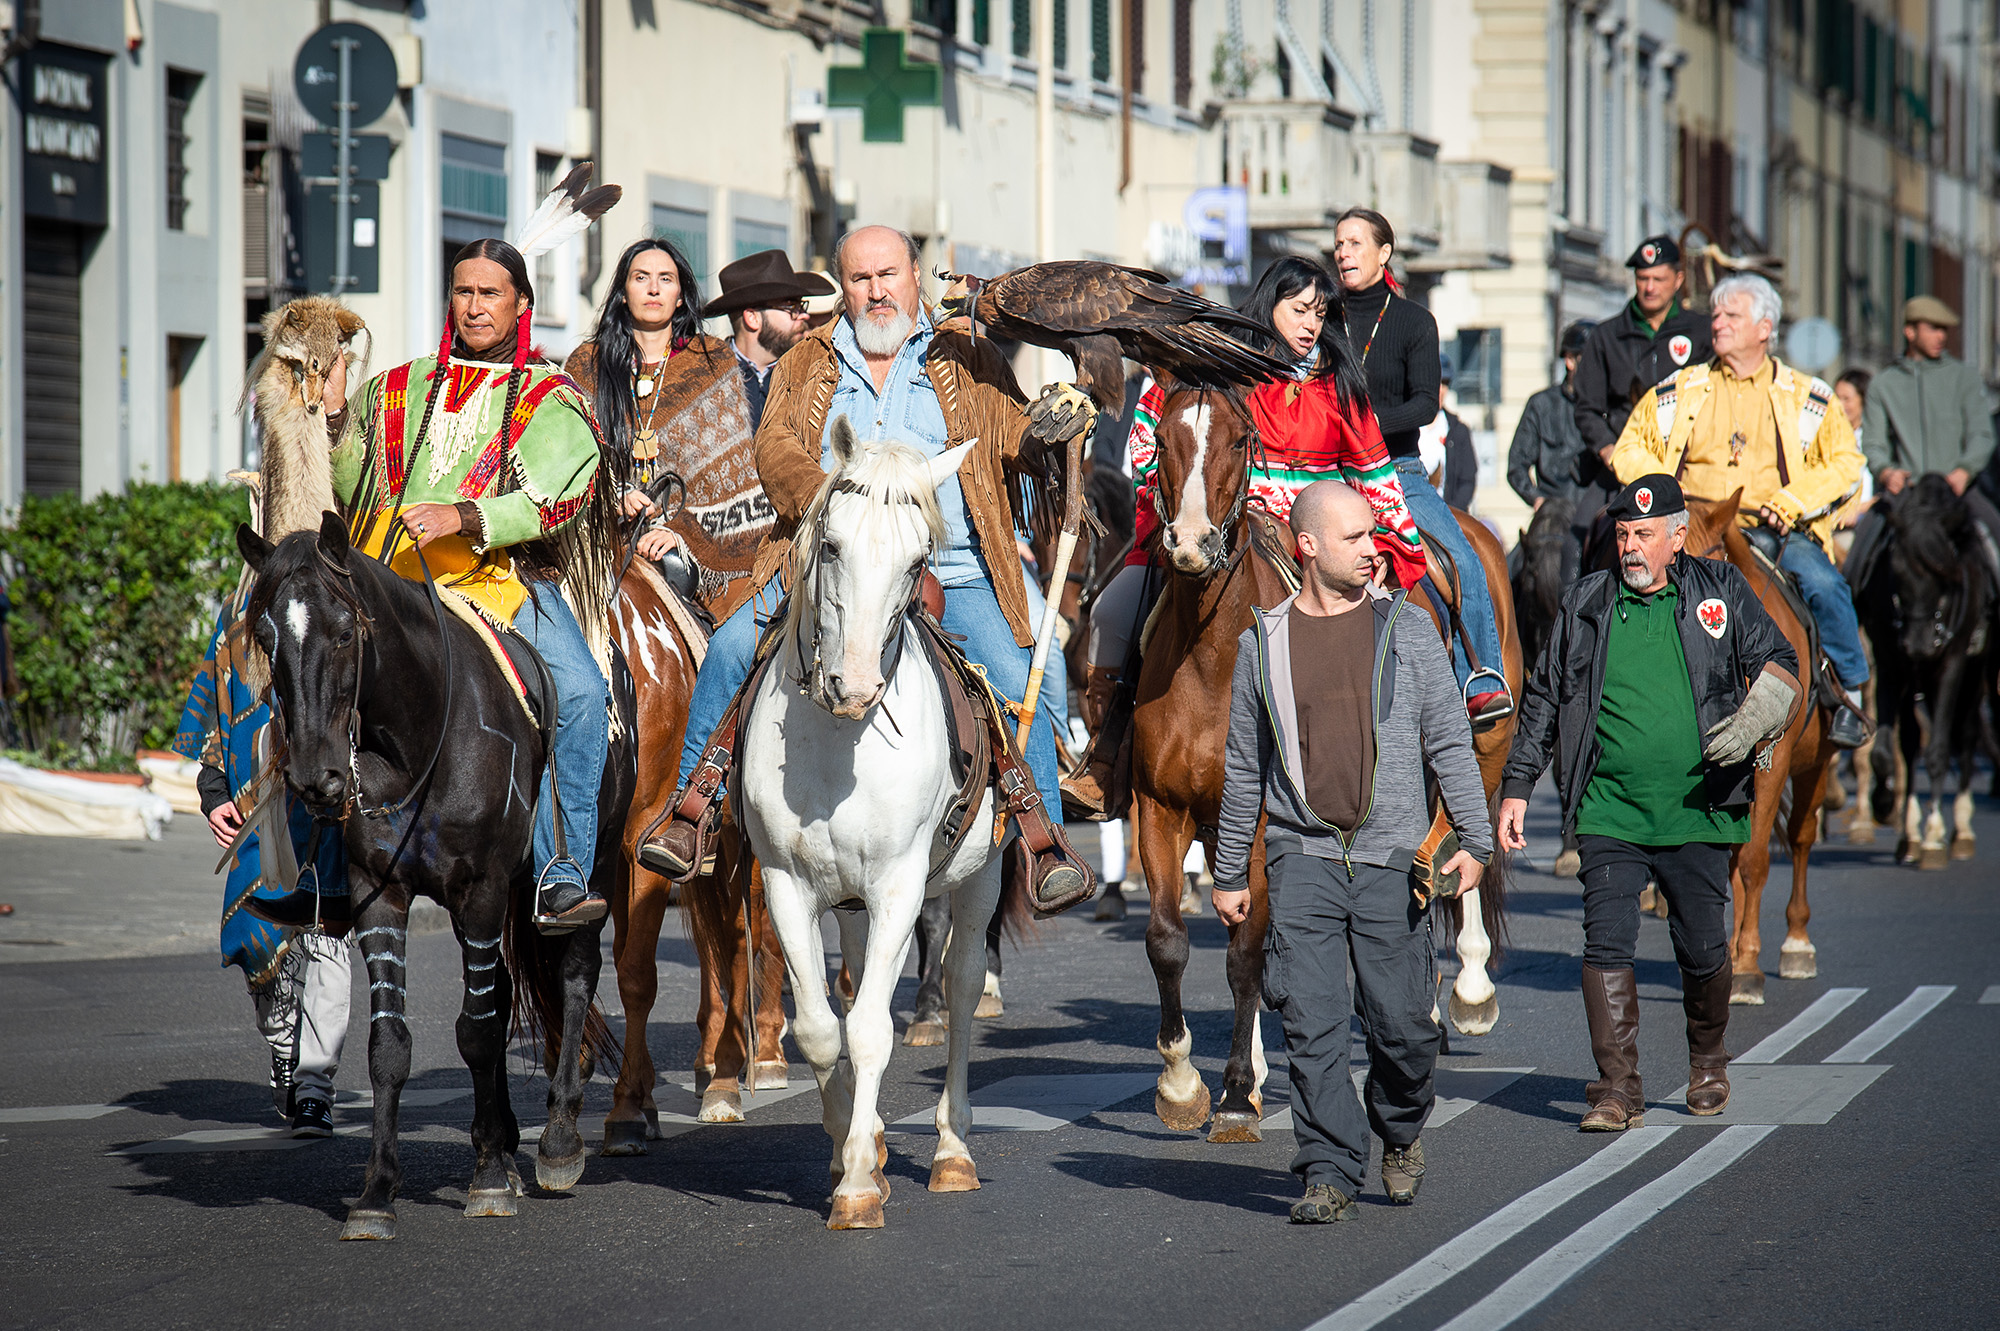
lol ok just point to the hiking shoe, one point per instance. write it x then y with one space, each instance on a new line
1402 1171
313 1119
1322 1205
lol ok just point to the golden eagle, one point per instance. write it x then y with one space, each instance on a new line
1095 313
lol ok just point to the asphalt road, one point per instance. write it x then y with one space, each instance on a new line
1850 1185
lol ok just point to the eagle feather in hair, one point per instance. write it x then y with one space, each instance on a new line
568 210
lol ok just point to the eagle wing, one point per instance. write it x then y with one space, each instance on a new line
1161 326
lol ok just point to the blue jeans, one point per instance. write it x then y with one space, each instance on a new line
583 730
1832 605
1435 517
970 610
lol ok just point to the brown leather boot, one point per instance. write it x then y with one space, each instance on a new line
1706 1003
1611 1002
1085 791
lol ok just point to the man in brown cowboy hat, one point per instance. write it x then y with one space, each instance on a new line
766 304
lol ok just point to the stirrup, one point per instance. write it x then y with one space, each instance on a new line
1495 715
591 907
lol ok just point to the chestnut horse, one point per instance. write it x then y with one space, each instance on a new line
1180 724
663 662
1802 756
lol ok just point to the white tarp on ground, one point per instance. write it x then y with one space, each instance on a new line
173 777
38 803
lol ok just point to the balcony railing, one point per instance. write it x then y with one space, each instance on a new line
1400 181
1472 218
1294 159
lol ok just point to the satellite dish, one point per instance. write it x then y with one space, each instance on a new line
1812 344
371 72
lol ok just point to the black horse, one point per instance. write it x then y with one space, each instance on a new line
1537 575
393 713
1927 600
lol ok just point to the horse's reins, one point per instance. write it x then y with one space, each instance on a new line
813 673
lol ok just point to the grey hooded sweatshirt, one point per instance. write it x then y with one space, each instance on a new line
1420 725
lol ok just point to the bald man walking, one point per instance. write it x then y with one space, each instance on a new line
1341 697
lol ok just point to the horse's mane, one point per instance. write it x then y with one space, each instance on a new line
893 474
291 555
1933 527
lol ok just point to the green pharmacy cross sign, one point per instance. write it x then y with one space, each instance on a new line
882 85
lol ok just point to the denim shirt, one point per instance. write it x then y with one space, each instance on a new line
907 410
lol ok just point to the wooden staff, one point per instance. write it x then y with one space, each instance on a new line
1051 604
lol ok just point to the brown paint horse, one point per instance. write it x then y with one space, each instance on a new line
1802 756
1180 726
663 670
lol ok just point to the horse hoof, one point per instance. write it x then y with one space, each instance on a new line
773 1076
1232 1128
1860 833
1964 848
923 1034
1567 864
721 1105
369 1225
856 1211
1183 1117
1190 899
703 1075
1746 988
1475 1018
1934 857
1110 906
558 1175
488 1201
1798 962
953 1174
990 1006
624 1136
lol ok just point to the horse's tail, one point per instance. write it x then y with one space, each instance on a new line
1493 886
535 968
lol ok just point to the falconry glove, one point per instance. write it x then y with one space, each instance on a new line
1765 712
1060 414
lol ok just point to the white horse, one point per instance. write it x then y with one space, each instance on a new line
845 781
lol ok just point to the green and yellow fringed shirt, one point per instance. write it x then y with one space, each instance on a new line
525 485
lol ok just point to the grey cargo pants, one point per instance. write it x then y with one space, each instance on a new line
1321 920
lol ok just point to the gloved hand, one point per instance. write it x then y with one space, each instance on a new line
1060 414
1764 713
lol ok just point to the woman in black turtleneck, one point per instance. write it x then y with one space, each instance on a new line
1396 341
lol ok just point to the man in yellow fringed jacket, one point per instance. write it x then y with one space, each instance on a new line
1746 421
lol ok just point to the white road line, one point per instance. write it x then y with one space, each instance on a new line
1549 1272
1992 994
1892 1024
1421 1277
1801 1028
57 1113
1458 1089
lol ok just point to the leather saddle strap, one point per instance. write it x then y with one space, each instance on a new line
962 710
1454 580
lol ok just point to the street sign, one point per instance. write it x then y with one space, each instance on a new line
63 128
364 266
1812 345
316 74
882 85
318 157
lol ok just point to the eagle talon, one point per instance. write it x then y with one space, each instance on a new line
1061 413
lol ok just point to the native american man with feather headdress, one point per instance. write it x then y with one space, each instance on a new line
491 467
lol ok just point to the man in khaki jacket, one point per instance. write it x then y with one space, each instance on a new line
1746 421
895 375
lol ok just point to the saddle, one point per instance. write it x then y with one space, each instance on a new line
979 724
520 664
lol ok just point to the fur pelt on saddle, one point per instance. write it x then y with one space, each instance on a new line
702 414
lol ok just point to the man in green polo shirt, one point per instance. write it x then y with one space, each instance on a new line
1659 684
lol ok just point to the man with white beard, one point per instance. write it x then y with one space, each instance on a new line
893 374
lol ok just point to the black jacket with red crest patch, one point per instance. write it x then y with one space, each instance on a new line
1727 636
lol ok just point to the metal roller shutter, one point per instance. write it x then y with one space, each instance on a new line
52 297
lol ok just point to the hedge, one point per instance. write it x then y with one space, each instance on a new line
113 604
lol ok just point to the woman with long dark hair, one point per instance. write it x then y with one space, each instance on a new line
669 399
1396 342
1316 427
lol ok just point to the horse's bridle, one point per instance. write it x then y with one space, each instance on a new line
1253 451
812 675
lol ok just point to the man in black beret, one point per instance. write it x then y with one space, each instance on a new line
1644 343
1660 682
